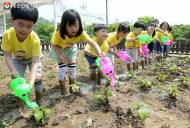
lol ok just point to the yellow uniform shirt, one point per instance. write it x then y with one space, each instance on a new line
171 37
67 42
135 44
27 49
160 34
113 40
103 46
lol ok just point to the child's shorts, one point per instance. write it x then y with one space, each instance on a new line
21 66
91 60
133 52
70 53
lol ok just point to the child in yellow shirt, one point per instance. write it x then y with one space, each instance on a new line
100 32
160 47
22 47
64 48
149 31
115 38
132 44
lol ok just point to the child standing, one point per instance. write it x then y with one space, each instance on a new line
100 32
160 48
115 38
64 48
22 47
149 31
132 44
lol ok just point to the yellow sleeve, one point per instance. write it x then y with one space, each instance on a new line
171 37
105 47
143 33
110 40
36 48
5 43
84 37
159 35
56 38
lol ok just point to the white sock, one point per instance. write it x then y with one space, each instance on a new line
72 71
62 71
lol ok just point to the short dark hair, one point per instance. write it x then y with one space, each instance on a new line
155 20
139 24
151 25
99 27
123 27
164 23
26 11
69 17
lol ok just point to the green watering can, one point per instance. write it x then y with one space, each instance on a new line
22 90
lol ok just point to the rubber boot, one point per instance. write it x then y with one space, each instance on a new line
149 61
142 64
62 87
134 66
128 67
71 81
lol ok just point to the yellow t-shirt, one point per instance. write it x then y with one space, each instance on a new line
67 42
104 47
171 37
113 40
135 44
160 34
27 49
146 33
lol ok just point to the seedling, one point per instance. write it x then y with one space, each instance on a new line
173 91
162 77
42 115
144 83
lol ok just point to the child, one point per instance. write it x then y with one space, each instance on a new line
100 32
132 44
64 48
150 30
115 38
160 48
170 37
22 47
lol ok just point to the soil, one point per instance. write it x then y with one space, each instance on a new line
82 111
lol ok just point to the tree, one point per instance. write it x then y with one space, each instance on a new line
44 28
146 19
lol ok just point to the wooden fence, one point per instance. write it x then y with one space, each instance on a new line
180 47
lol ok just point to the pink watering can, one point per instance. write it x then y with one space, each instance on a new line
168 42
106 66
123 56
145 50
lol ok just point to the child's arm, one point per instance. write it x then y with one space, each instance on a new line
35 61
61 56
131 39
112 51
160 30
9 62
95 46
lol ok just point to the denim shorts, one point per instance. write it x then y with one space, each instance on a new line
91 60
21 66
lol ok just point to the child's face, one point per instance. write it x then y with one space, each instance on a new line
102 34
137 31
122 34
23 28
150 29
72 30
164 27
